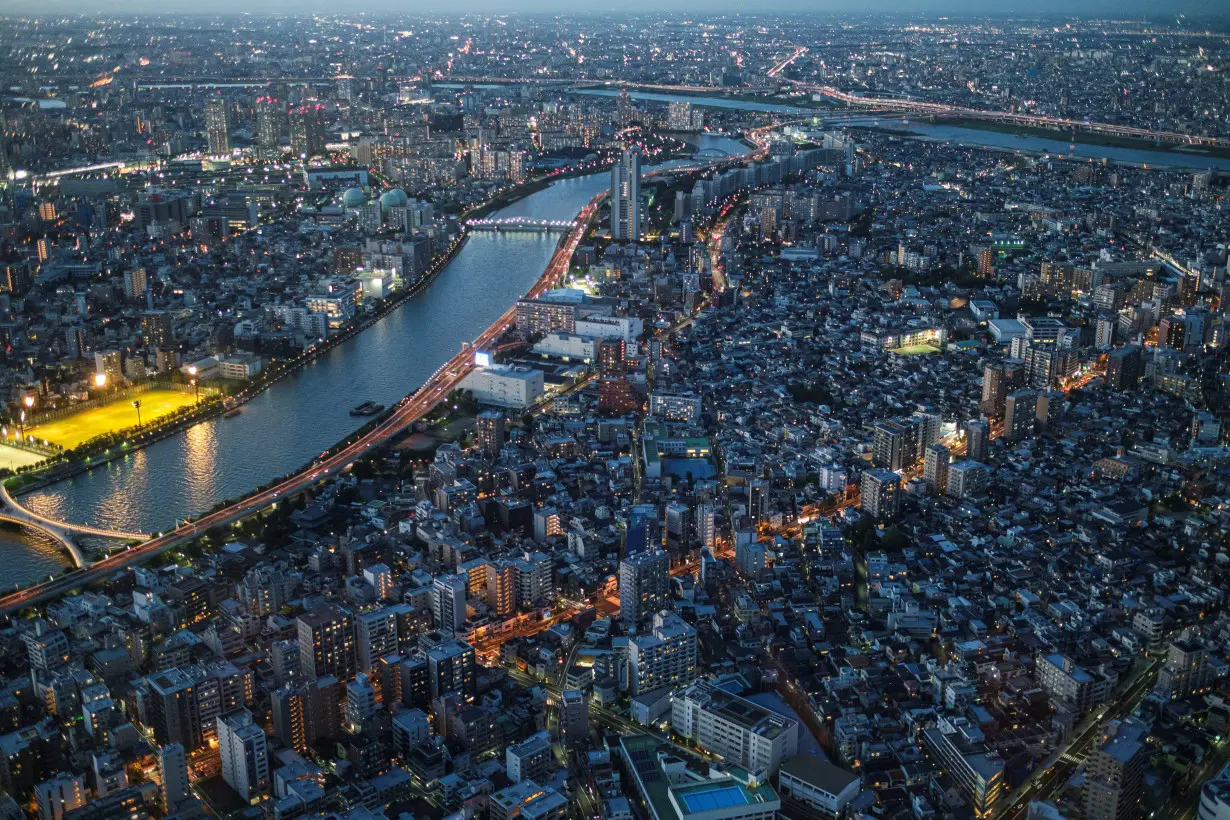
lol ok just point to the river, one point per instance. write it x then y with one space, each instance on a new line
954 133
302 415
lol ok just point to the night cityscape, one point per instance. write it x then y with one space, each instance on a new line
677 414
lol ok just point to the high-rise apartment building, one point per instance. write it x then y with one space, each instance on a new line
664 657
644 585
173 770
1114 773
448 602
998 380
626 197
450 669
307 130
1187 670
490 431
880 493
1020 413
307 712
270 123
573 717
960 748
895 446
1124 368
327 643
977 439
935 467
218 126
245 755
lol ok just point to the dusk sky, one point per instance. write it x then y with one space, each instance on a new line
1118 8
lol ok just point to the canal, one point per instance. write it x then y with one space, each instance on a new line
302 415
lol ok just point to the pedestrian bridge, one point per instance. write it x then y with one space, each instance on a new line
520 223
63 532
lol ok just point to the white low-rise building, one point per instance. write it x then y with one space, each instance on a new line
743 732
628 328
505 385
567 346
813 781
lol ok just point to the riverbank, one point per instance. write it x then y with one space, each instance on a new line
55 470
1089 138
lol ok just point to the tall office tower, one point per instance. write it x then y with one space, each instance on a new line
977 439
1020 413
664 657
270 119
490 431
307 130
573 717
327 644
1124 367
895 446
935 468
448 602
173 769
450 670
880 493
245 755
626 197
1115 772
217 126
644 585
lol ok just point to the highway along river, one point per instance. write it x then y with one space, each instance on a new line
297 418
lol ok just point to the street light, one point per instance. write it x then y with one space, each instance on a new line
100 380
196 390
136 403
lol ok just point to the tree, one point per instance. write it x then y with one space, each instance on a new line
894 539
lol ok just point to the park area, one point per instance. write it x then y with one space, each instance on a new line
78 428
13 459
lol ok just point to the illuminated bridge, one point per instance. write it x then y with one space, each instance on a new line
520 223
61 531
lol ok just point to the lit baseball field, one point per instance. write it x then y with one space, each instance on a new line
71 431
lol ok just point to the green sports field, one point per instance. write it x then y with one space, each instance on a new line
72 430
916 350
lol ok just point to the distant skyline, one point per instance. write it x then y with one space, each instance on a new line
1118 9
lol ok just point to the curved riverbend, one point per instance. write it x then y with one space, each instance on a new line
296 419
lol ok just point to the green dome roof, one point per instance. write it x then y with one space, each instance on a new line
395 198
353 198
